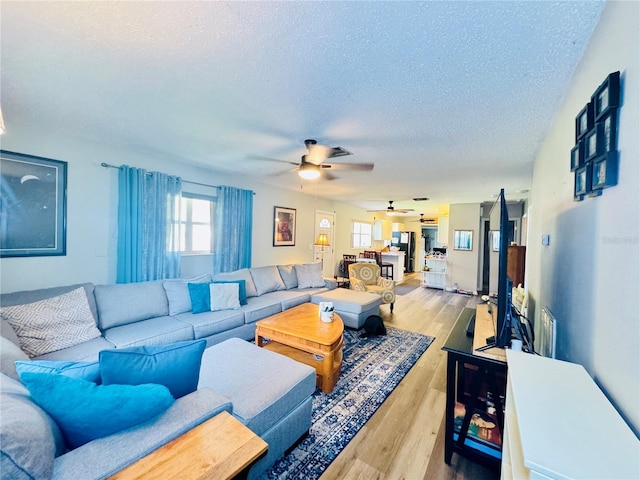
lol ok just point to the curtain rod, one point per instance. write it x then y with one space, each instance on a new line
107 165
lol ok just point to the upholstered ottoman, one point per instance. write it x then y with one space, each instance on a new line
352 306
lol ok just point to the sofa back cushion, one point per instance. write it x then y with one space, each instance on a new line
242 274
120 304
10 353
178 292
267 279
289 277
52 324
29 438
309 275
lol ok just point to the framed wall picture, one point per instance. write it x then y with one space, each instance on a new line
284 227
463 240
604 172
582 182
33 198
609 130
584 121
594 143
607 96
577 155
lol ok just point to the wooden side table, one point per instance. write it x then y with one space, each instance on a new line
220 448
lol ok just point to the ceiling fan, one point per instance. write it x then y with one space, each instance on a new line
391 210
313 165
426 221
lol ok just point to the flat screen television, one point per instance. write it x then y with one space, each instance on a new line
499 242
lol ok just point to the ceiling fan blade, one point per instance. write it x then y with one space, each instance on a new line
325 175
269 159
361 167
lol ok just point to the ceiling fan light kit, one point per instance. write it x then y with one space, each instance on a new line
309 171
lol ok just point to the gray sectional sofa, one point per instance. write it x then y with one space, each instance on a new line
269 393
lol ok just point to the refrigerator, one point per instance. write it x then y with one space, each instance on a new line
406 242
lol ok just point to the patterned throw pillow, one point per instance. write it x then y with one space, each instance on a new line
52 324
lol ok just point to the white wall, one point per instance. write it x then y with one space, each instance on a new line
589 274
462 266
92 210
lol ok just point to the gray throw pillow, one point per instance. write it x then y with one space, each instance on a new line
29 438
309 275
178 293
267 279
289 277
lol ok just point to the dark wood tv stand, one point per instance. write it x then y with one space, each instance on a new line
476 388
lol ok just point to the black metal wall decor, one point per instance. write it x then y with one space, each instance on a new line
594 158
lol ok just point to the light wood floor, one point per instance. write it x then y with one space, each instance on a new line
405 438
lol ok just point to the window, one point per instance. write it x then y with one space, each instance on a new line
361 235
196 224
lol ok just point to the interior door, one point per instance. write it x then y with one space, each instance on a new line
325 222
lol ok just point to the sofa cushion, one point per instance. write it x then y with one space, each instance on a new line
267 279
29 438
200 297
178 293
9 354
242 289
119 304
288 275
283 383
242 274
224 296
155 331
260 307
7 331
83 352
210 323
175 366
85 411
84 370
52 324
309 275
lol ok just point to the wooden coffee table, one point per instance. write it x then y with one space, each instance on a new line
299 334
220 448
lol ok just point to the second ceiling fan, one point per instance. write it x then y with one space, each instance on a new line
391 210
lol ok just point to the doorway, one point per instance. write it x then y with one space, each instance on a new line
325 223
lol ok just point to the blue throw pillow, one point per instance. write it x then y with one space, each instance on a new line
242 289
85 411
84 370
200 300
176 366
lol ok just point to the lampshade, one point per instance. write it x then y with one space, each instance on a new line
322 240
309 171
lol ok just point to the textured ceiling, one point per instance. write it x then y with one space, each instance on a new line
450 100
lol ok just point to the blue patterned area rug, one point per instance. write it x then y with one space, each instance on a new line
371 369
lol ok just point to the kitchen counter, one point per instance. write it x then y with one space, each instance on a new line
397 259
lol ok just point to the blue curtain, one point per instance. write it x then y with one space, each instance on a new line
148 214
233 229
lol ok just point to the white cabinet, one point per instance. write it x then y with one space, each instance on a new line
382 230
559 424
434 272
443 230
397 260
